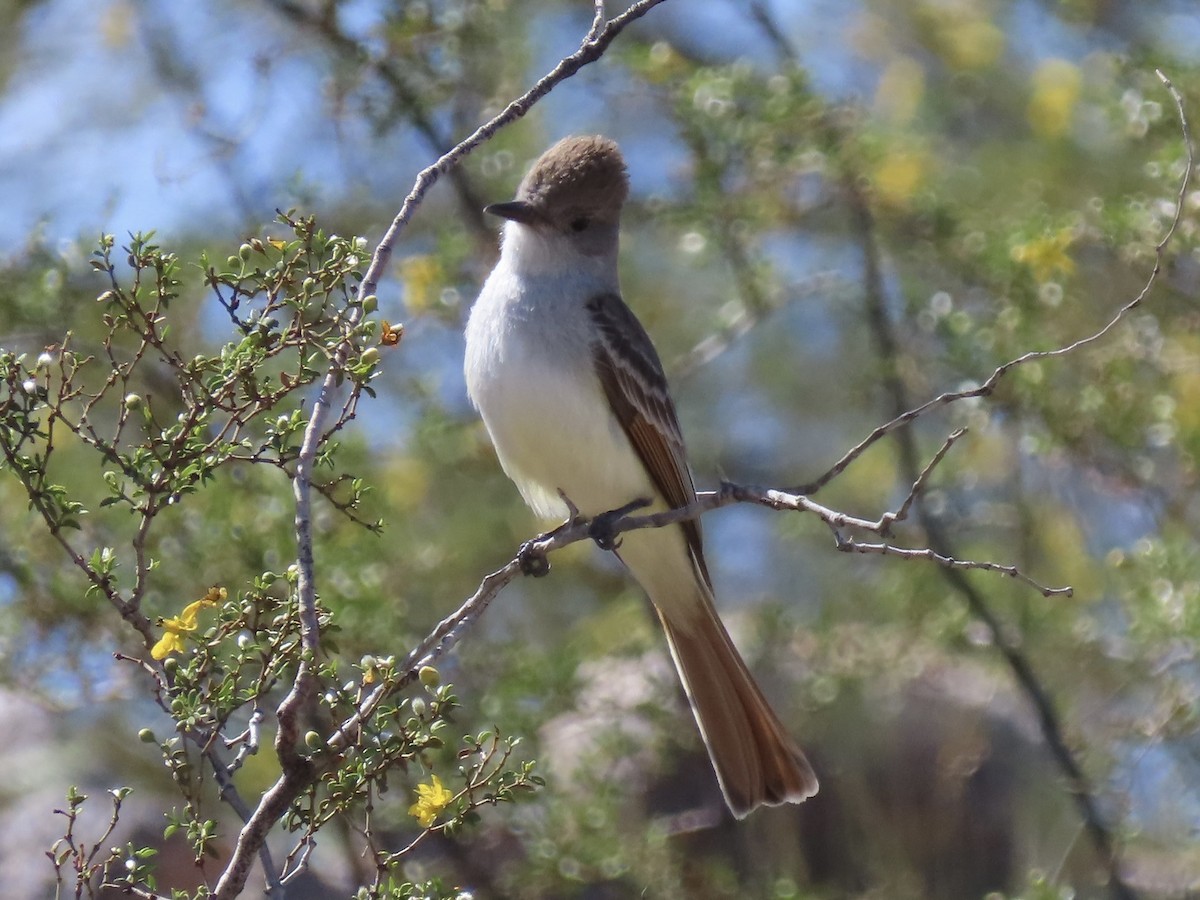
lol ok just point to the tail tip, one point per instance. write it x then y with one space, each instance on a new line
805 787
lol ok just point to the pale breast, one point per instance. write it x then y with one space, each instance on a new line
542 403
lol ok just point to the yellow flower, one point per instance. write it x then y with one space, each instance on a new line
899 175
1056 88
421 276
432 798
177 626
971 43
170 642
1047 255
900 90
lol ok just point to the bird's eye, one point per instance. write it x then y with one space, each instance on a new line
580 224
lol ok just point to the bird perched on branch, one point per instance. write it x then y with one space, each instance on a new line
576 403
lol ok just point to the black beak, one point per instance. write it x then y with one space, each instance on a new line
516 211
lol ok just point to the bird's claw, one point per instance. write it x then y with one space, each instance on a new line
532 556
601 528
532 559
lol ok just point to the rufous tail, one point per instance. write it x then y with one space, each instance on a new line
756 761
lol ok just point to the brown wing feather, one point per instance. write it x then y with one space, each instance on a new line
636 388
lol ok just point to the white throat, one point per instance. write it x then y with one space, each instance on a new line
544 254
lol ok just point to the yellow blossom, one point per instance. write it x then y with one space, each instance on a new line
971 43
175 627
1047 256
898 176
169 643
421 276
900 89
1056 88
432 798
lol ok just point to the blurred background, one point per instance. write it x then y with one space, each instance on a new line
839 210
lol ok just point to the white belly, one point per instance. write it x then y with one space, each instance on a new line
552 429
551 425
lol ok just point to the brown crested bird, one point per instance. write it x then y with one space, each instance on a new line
576 403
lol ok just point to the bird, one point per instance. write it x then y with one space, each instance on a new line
575 400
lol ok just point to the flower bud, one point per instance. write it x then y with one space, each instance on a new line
430 677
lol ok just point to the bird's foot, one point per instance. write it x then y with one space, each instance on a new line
601 528
532 558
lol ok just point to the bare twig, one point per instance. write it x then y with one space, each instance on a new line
248 739
450 629
918 484
297 861
850 545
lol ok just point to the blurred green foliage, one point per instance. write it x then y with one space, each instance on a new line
836 216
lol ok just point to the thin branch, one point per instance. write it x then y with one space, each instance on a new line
850 545
730 493
248 739
449 630
919 484
297 861
597 21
